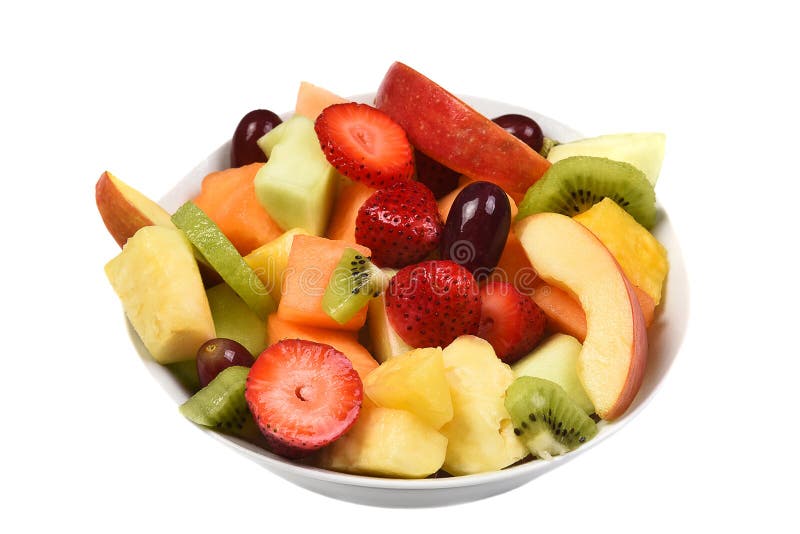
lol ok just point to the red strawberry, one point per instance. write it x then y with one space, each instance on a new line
510 321
303 395
401 225
364 144
438 178
432 303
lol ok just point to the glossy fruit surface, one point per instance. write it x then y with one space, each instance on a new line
401 224
216 355
477 228
523 128
510 321
429 304
255 124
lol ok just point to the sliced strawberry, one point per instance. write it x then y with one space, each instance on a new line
510 321
438 178
432 303
401 224
303 395
364 144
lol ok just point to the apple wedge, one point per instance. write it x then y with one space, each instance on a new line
125 210
612 361
452 133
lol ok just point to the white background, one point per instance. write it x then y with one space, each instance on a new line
91 443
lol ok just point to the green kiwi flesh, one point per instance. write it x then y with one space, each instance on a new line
573 185
545 418
221 404
354 281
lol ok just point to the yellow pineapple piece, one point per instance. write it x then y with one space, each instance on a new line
388 443
414 382
642 258
157 279
480 435
386 343
270 259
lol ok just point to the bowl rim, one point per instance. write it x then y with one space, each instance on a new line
528 468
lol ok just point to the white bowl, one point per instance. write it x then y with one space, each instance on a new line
665 337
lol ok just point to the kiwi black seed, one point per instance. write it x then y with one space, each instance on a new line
354 281
573 185
221 404
545 418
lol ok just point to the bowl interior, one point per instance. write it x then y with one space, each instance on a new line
665 335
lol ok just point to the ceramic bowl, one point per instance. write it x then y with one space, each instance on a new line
665 337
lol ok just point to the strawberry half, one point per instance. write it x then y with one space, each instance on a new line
303 395
432 303
401 225
438 178
510 321
365 144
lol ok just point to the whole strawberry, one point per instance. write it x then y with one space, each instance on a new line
432 303
365 144
401 225
510 321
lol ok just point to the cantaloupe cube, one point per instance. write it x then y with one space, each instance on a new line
312 99
311 263
344 342
342 225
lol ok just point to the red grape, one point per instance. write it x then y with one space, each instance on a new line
523 128
255 124
216 355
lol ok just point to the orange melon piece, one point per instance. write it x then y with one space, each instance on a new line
342 225
311 100
312 260
344 342
446 202
564 312
229 198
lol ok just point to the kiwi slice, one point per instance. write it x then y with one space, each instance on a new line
545 418
573 185
217 249
221 404
547 146
354 281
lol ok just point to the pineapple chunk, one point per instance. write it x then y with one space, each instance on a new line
386 343
480 435
157 279
642 258
270 259
389 443
415 382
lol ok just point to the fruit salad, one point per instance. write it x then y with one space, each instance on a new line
400 289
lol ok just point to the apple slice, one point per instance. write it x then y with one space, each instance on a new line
452 133
612 361
124 209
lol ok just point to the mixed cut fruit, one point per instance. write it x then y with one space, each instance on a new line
404 288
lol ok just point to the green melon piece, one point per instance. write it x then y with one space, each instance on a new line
233 319
206 236
297 185
645 151
556 359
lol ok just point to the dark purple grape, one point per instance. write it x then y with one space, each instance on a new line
477 228
216 355
523 128
439 179
244 149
